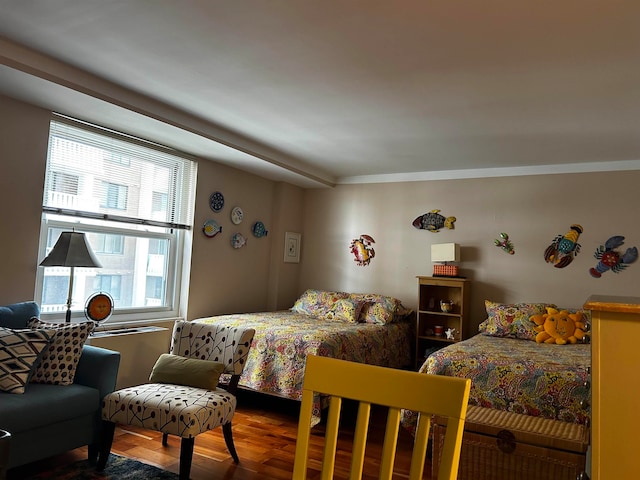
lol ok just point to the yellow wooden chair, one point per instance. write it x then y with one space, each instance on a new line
397 389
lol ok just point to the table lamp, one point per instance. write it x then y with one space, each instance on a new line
442 254
71 250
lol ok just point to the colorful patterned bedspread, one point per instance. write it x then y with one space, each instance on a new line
283 340
516 375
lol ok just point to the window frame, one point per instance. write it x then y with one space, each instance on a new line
178 235
120 315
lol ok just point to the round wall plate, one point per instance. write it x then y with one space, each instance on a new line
211 228
216 201
259 230
236 215
238 240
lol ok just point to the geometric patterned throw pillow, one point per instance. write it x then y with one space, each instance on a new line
20 350
60 359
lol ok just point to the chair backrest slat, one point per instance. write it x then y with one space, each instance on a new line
227 345
390 443
360 440
419 453
396 389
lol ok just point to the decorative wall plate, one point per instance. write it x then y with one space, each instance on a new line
236 215
259 230
99 307
211 228
238 240
216 201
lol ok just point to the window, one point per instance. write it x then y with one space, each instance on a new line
108 243
64 183
159 202
135 214
114 196
110 284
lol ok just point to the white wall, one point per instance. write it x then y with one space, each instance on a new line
532 210
24 137
254 277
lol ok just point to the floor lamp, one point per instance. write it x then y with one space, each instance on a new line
71 250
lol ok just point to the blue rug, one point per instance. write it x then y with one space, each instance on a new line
118 468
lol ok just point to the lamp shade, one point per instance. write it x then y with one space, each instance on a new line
445 252
71 250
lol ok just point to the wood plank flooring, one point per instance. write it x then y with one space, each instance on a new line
264 431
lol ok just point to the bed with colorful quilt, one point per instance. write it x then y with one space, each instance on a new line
516 366
364 328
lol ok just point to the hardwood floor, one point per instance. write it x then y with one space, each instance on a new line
264 431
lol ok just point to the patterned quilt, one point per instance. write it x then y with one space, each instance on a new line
283 340
519 376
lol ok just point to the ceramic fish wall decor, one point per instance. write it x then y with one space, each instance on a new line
433 221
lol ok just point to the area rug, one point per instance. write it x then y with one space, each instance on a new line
118 468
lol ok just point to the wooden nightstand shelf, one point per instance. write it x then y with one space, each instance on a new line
431 290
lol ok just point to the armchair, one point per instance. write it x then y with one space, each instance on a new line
176 403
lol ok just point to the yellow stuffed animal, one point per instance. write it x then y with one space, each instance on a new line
559 326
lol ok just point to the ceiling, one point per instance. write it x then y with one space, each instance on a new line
318 93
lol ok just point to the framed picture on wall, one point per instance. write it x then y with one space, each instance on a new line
292 247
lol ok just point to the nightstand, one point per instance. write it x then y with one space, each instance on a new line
438 325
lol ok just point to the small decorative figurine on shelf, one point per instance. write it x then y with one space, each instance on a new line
446 306
450 333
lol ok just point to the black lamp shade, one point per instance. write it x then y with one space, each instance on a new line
71 250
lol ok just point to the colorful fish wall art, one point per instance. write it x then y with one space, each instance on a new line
433 221
610 259
362 250
564 248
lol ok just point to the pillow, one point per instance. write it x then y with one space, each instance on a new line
345 309
20 350
17 315
59 360
586 317
191 372
317 302
378 309
559 327
511 320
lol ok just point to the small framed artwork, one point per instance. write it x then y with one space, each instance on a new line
292 247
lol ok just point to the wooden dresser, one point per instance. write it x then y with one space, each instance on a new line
615 426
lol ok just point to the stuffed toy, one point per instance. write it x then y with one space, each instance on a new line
559 326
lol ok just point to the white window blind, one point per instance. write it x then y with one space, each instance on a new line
134 200
97 173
